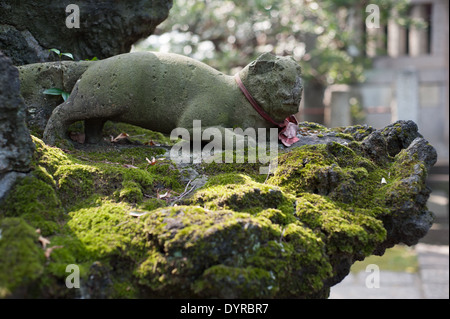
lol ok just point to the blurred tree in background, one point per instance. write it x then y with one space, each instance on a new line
229 34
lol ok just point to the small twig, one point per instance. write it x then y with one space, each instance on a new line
186 192
268 173
182 195
187 185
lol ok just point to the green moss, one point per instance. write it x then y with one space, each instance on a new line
22 260
36 202
332 170
276 216
124 175
297 248
49 157
313 126
168 175
71 199
77 127
345 228
132 155
72 252
106 229
297 170
339 195
238 246
75 181
404 182
345 136
124 290
248 196
250 169
238 236
152 204
131 192
136 133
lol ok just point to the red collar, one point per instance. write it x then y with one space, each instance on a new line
252 101
288 134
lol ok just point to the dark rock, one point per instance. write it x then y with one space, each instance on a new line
98 282
399 135
351 170
359 132
29 28
425 152
375 146
16 147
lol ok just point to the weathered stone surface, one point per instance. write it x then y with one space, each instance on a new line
15 142
36 78
397 153
267 72
400 135
238 235
29 28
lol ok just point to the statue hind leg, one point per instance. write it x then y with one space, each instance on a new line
61 118
77 108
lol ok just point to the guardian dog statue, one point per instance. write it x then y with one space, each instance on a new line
163 91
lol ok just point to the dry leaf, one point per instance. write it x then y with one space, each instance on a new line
49 250
150 143
129 166
151 162
163 195
119 137
44 241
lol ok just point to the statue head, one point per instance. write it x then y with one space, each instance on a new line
275 83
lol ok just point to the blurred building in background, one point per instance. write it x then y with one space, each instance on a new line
409 79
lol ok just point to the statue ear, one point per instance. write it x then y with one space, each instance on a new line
267 57
265 63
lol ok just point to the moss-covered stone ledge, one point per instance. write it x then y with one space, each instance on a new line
135 230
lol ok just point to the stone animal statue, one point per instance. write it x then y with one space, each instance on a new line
162 91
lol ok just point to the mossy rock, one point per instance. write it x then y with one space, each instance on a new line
198 250
331 201
240 193
22 260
